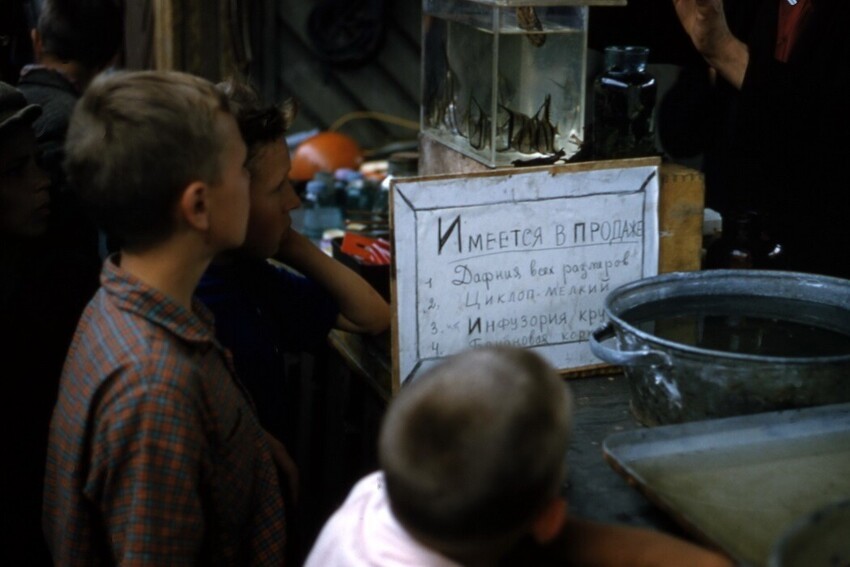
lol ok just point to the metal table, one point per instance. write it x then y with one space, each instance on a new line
594 491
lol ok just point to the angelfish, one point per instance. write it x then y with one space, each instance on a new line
527 20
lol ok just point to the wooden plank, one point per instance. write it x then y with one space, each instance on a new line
680 214
318 93
190 36
405 17
367 86
402 63
166 40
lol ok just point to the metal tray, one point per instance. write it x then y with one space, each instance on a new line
818 539
740 482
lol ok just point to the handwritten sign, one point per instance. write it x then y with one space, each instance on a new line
519 257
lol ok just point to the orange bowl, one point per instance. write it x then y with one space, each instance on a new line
326 151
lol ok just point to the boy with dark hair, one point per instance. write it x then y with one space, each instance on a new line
473 459
155 455
264 312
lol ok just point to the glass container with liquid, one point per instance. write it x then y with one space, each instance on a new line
504 80
624 105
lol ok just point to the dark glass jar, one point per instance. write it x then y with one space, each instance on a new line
624 105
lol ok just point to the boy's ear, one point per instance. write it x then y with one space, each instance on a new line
550 521
193 207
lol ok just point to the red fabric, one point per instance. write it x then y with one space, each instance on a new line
790 23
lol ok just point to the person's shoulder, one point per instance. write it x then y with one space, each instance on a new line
111 332
122 355
53 92
372 483
45 86
366 496
119 359
364 531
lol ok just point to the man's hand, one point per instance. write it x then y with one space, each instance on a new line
705 23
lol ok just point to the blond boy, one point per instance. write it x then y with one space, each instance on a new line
155 454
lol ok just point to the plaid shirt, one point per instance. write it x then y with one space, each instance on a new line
156 456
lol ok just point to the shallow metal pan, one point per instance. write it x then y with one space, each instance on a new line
740 482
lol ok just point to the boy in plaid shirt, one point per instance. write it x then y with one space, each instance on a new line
156 455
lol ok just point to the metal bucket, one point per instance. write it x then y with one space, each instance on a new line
718 343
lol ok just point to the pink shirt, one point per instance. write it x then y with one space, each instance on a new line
364 532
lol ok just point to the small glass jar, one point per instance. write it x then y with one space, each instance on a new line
624 105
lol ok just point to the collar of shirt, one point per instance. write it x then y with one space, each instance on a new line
791 18
28 69
133 295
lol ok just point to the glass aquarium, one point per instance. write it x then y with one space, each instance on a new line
504 80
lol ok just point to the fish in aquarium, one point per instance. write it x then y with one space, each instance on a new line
526 17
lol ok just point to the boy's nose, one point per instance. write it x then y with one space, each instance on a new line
290 200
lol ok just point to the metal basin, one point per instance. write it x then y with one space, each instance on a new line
718 343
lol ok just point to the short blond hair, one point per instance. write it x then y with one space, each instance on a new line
475 448
135 141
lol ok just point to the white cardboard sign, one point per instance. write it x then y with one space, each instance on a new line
523 258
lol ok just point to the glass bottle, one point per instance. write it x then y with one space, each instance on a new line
624 105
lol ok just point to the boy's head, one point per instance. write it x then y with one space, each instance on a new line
272 196
88 32
24 198
474 450
138 141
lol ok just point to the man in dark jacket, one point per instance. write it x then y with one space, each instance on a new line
782 131
74 41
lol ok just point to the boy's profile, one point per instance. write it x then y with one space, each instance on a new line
473 461
155 453
264 313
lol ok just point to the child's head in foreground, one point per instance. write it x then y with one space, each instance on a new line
137 140
474 450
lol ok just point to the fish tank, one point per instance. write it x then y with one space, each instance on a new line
504 80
